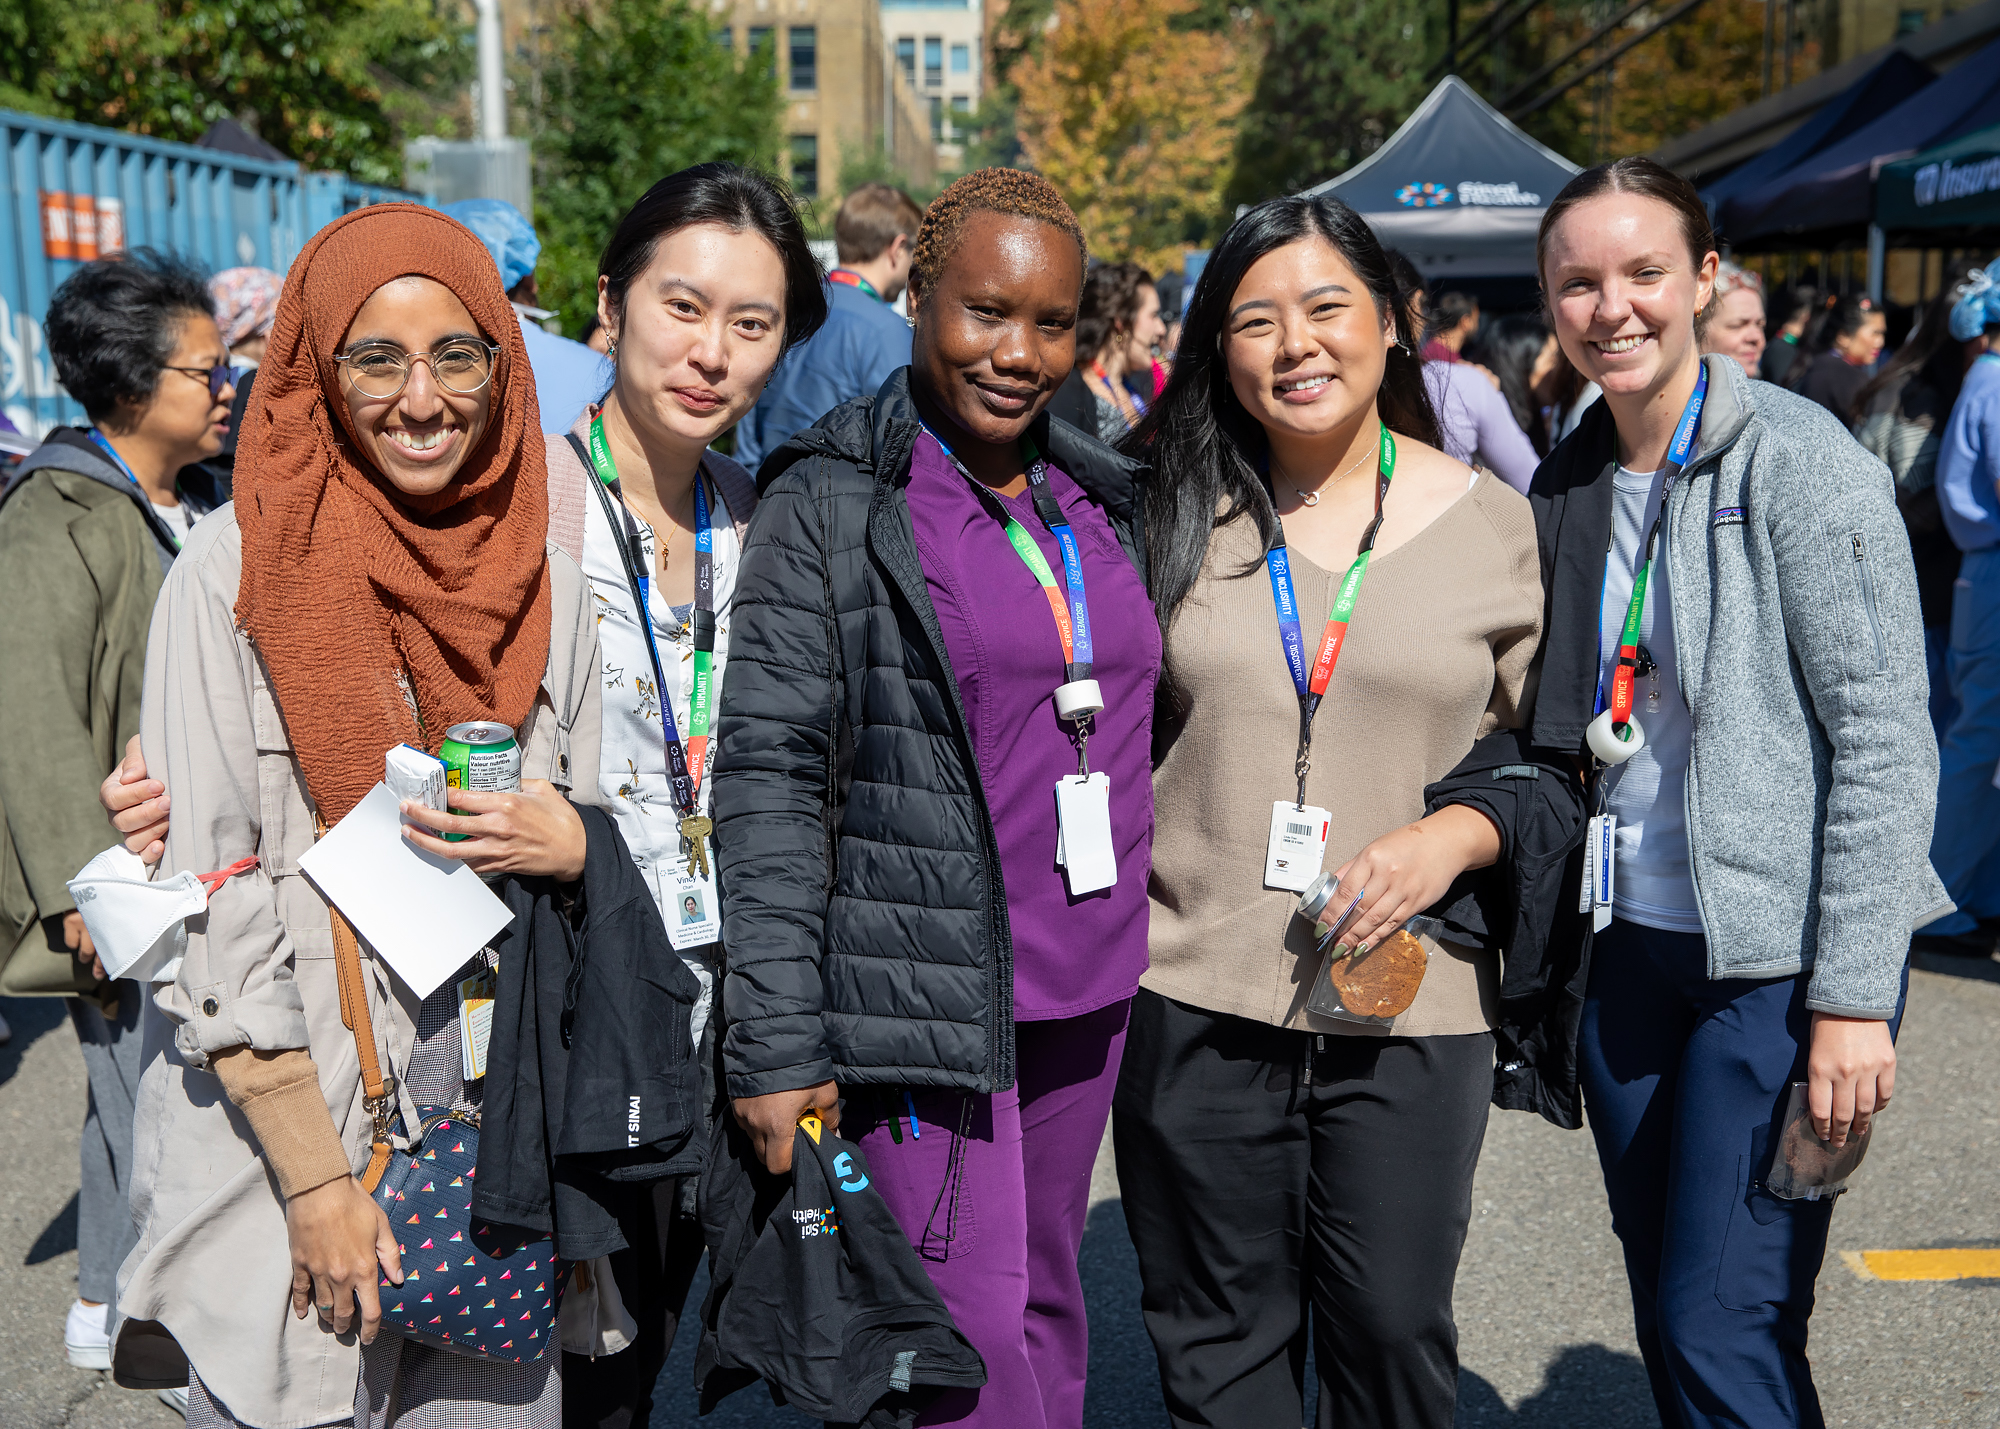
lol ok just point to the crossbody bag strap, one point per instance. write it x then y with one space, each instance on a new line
378 1092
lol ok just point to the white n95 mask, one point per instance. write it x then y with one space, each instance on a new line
139 926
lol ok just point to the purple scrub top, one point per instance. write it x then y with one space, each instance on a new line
1071 955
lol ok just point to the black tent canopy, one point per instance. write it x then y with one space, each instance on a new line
1834 190
1457 187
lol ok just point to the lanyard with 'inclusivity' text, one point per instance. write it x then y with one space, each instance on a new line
1311 684
1073 616
683 766
1625 674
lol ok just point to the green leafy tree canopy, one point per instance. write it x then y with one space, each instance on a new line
307 75
640 89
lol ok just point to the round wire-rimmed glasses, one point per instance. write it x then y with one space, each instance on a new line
461 365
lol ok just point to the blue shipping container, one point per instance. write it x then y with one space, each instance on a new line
76 191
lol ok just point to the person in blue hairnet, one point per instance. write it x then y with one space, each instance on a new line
568 375
1965 844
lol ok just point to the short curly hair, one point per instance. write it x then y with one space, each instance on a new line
1015 192
114 322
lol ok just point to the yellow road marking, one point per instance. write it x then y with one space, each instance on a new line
1964 1264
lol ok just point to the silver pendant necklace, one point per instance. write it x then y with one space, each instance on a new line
1311 498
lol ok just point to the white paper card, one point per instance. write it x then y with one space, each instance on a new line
1297 846
693 912
1083 840
476 996
425 915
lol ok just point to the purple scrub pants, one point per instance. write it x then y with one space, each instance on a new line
993 1194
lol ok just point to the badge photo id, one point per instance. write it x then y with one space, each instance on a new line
1297 845
693 913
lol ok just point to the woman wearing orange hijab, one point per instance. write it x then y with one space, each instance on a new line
384 574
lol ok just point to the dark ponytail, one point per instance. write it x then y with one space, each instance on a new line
1206 452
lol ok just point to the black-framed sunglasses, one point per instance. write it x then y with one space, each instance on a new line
381 370
217 377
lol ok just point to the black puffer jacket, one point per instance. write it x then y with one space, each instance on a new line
865 930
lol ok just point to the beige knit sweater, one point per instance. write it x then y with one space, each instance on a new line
1435 657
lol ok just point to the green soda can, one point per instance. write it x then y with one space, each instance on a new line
481 757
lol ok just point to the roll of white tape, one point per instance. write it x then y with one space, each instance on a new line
1605 743
1079 699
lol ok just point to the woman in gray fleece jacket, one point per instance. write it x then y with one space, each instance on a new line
1754 723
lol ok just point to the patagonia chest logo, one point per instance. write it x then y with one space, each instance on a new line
1727 516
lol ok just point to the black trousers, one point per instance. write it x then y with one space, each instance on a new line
663 1250
1268 1175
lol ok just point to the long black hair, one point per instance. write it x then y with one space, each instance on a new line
1509 349
1207 453
1930 355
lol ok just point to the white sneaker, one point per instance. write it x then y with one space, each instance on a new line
176 1400
83 1336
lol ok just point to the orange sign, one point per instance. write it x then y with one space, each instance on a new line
81 226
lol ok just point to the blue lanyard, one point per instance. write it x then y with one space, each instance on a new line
119 461
1678 452
1074 631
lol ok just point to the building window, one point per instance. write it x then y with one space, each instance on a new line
1908 22
961 110
933 61
906 56
805 60
937 119
763 42
961 59
805 165
725 40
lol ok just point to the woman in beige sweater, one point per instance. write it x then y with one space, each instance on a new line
1273 1157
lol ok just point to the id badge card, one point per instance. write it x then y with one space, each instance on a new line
475 1021
1600 870
692 911
1297 845
1083 832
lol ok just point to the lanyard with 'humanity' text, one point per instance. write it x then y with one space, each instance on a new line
1311 683
684 766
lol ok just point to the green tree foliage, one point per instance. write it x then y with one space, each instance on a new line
308 76
1337 77
639 89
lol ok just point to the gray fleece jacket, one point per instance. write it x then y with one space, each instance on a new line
1812 778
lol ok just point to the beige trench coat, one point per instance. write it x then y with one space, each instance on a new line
213 1263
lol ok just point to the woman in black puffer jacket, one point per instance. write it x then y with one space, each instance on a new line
925 569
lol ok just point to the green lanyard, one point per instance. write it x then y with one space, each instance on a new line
683 766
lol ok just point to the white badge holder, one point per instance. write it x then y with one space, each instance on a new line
1605 743
1296 847
1083 832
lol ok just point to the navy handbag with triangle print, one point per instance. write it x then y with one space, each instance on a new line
491 1292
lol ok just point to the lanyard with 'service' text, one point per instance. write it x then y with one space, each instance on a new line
1624 674
1311 682
684 766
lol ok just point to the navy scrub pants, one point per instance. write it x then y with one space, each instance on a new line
1684 1079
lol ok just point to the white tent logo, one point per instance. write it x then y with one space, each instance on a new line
1507 195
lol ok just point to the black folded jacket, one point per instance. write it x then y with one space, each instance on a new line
815 1290
1525 906
591 1073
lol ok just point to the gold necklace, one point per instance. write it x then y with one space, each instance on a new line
1311 498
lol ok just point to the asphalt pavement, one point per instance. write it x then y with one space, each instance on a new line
1545 1328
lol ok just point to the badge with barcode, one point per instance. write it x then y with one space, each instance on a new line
1297 847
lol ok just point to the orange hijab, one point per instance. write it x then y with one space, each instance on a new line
358 598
